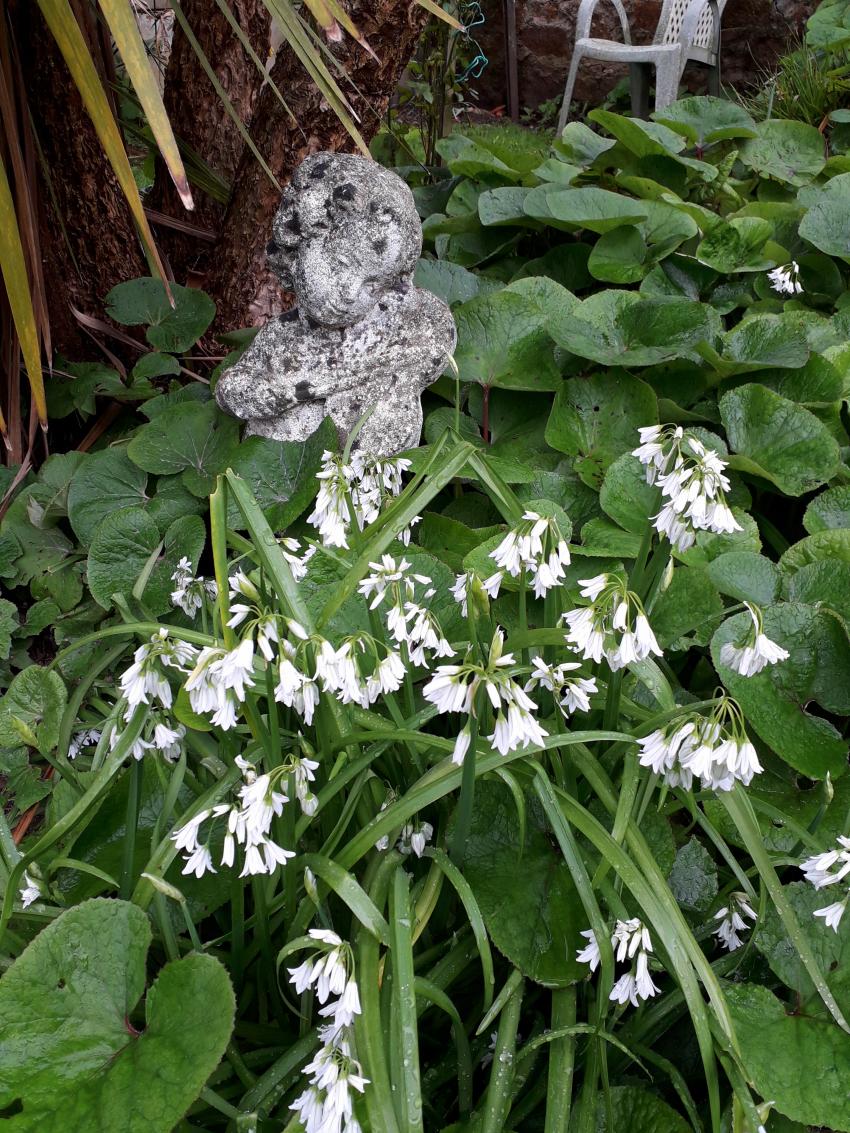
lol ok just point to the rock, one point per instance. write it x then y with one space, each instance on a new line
754 33
346 241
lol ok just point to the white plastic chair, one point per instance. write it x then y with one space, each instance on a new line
687 29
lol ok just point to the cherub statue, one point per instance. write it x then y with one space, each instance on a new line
346 240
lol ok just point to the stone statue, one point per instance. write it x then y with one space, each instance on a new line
346 240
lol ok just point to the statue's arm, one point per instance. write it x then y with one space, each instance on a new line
274 374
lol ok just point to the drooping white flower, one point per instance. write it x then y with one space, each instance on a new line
732 920
537 546
354 492
296 558
470 581
413 839
189 592
692 481
832 914
87 737
422 634
199 862
785 279
590 954
145 682
755 651
830 867
453 688
629 938
572 694
219 680
395 578
613 626
30 890
715 749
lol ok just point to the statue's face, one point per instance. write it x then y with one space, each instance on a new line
344 235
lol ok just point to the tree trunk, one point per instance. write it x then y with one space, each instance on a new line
99 246
199 119
238 274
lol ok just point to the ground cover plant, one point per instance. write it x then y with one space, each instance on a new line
497 787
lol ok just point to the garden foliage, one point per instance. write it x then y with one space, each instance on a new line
521 876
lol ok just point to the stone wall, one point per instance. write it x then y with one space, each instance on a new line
754 33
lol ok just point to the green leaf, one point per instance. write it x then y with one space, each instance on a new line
746 576
690 602
693 878
450 282
8 624
620 328
799 1062
598 210
705 119
155 365
501 342
831 949
644 139
580 145
525 891
830 509
634 1110
69 1046
774 438
144 302
504 206
619 256
829 544
763 342
196 440
825 583
465 157
625 494
736 245
825 221
791 152
31 709
597 418
774 700
281 474
172 500
106 482
120 550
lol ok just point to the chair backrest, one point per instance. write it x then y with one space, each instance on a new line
672 17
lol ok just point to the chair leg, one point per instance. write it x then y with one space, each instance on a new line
667 75
639 84
714 78
568 90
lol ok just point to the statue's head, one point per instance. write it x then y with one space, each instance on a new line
346 232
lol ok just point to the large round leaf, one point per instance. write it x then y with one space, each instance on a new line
704 119
831 509
825 223
634 1110
145 302
195 440
597 419
501 342
774 700
798 1061
524 888
69 1047
620 328
596 209
106 482
777 439
792 152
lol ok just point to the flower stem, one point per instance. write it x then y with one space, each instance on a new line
463 817
134 794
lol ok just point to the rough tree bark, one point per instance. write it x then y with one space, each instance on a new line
199 119
102 246
391 27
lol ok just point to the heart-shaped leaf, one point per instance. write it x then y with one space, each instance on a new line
69 1045
145 302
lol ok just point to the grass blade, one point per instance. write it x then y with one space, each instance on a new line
349 891
125 31
16 281
407 1086
476 921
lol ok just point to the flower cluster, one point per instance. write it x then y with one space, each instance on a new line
248 824
613 625
145 681
469 584
572 694
785 279
692 482
86 737
326 1106
295 557
754 651
218 682
631 941
357 672
453 688
408 621
732 921
829 869
189 592
714 749
412 839
159 733
354 492
536 546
